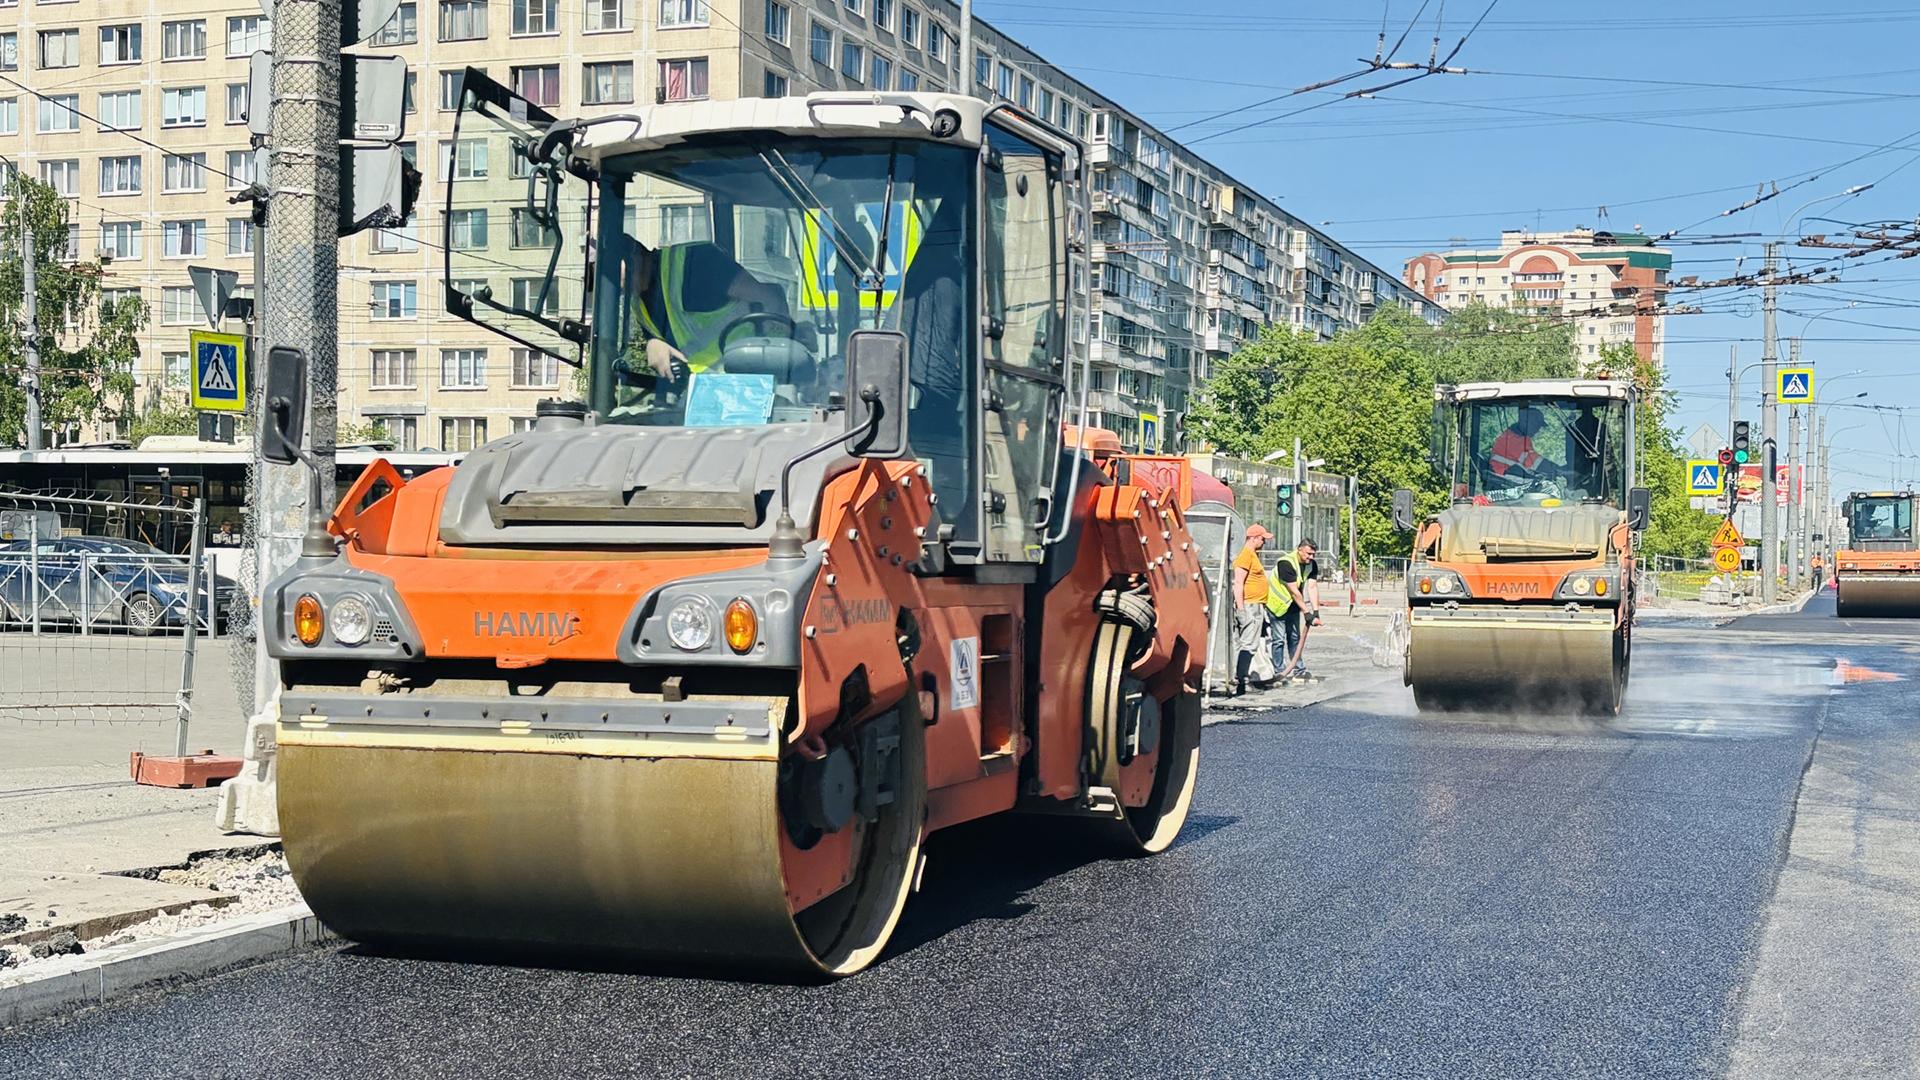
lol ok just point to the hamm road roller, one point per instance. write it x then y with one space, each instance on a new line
1878 574
1521 592
687 671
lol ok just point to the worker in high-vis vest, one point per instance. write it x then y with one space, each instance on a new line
1293 599
690 294
1513 456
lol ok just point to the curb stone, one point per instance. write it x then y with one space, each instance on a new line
117 972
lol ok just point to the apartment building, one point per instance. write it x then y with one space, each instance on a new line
1610 286
1180 264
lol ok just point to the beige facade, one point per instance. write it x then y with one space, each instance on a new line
1181 264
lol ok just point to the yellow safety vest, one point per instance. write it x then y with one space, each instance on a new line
694 333
1279 600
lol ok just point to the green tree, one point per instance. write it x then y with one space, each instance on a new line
1677 529
352 434
164 414
1363 401
87 347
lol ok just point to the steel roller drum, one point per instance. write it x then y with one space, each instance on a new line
1512 662
634 849
1881 596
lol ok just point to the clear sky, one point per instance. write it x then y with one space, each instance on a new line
1568 109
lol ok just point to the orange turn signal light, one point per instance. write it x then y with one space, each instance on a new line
1426 585
308 620
742 626
1599 586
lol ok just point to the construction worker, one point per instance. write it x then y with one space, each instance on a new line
1819 570
1513 456
690 295
1250 611
1294 600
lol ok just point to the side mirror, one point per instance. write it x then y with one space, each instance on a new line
286 405
1639 509
1403 510
877 392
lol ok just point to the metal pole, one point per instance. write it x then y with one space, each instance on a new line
1791 526
966 47
30 335
33 567
1769 426
1298 521
265 669
1353 531
196 551
1728 484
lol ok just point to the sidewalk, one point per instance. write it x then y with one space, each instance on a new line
82 847
1347 653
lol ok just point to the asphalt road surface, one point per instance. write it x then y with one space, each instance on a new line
1725 880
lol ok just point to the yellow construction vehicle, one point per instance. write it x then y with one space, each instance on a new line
1878 574
688 671
1521 592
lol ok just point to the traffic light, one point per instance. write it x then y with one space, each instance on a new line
1726 456
1742 442
1284 494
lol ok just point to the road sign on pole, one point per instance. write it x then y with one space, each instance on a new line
1705 477
1728 536
219 371
1796 386
1726 559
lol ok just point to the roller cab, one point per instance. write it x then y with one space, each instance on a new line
685 673
1878 574
1521 591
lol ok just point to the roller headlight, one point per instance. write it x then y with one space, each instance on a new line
1434 582
352 620
1582 586
1588 585
1443 586
309 621
690 625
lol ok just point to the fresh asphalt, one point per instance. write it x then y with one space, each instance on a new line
1361 891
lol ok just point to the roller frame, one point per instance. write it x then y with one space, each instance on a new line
1503 658
1883 596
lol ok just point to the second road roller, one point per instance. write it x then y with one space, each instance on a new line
687 671
1878 573
1521 591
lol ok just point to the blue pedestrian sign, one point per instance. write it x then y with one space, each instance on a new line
1796 386
219 371
1705 477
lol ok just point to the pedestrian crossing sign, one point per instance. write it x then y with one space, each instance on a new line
1796 386
1705 477
219 371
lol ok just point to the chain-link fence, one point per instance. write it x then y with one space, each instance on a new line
98 622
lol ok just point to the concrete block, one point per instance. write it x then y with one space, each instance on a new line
249 803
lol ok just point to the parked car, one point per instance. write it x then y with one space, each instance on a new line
106 581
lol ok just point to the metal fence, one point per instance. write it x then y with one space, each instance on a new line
96 624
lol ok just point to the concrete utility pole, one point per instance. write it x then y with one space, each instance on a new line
966 47
304 265
30 333
1298 521
1769 425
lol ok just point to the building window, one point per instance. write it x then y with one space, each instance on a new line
393 369
883 14
855 6
678 13
180 307
882 77
396 240
534 370
120 111
776 85
450 86
462 433
239 236
62 176
1004 85
183 172
120 239
248 34
9 52
779 21
183 239
910 27
240 170
402 431
465 160
402 29
463 369
526 291
395 300
120 44
120 175
982 68
184 40
183 106
853 61
937 43
533 17
609 83
239 100
909 80
539 84
467 229
59 48
527 230
1026 92
605 15
684 80
820 42
463 20
60 112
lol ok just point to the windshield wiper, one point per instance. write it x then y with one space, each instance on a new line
795 188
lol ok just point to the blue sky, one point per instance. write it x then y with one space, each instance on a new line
1550 127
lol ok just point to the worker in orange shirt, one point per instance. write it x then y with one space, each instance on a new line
1513 456
1250 619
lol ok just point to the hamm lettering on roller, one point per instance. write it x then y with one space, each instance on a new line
555 626
1513 588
